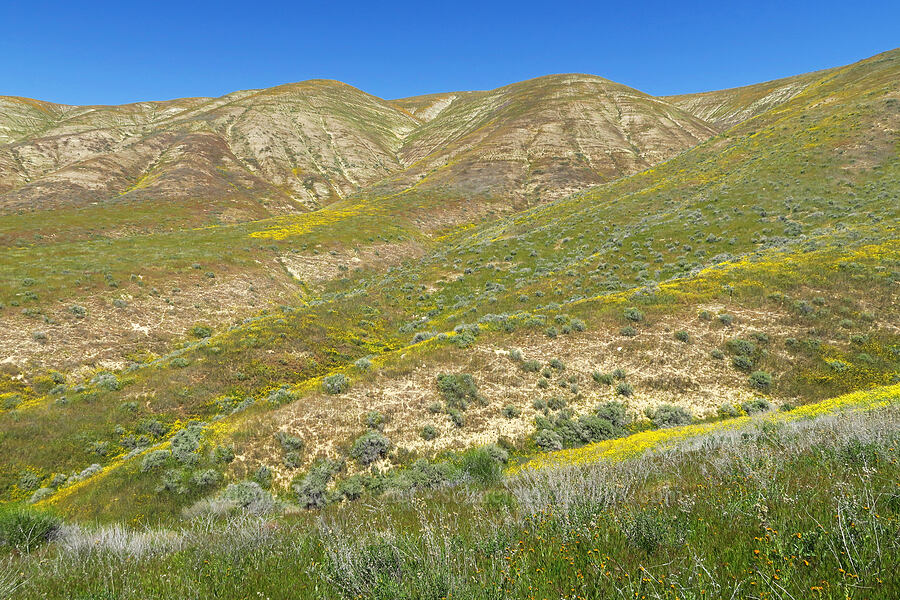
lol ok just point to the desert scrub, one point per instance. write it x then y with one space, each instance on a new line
429 432
760 380
612 411
728 411
456 417
289 442
623 388
458 390
634 315
530 366
222 454
511 411
247 496
370 447
602 378
375 420
669 415
336 384
186 442
744 363
107 381
207 478
201 331
757 405
154 460
311 488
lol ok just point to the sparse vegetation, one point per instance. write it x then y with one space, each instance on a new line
749 248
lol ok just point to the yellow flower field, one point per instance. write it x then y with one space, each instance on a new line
662 439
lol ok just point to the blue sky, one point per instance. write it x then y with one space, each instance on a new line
115 52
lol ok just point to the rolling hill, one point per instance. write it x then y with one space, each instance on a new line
559 272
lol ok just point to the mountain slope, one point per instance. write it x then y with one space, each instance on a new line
287 148
543 138
297 147
762 263
725 108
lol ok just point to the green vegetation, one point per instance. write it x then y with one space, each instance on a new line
594 529
756 271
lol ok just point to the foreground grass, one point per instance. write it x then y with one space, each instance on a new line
806 508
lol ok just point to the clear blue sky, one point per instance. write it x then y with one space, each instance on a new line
114 52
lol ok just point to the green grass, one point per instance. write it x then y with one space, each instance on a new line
745 513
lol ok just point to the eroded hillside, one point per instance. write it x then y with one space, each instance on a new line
761 264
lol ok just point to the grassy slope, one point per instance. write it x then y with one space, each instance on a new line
743 513
825 163
726 108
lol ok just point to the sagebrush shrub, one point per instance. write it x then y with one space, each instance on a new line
670 415
760 380
728 411
531 366
201 331
548 440
756 405
456 417
248 495
336 384
311 488
375 420
624 388
741 347
370 447
207 478
744 363
186 442
154 460
612 411
458 390
222 454
107 381
511 412
633 314
263 476
603 378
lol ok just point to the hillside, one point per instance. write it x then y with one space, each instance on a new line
722 109
656 240
100 203
436 345
544 138
265 152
